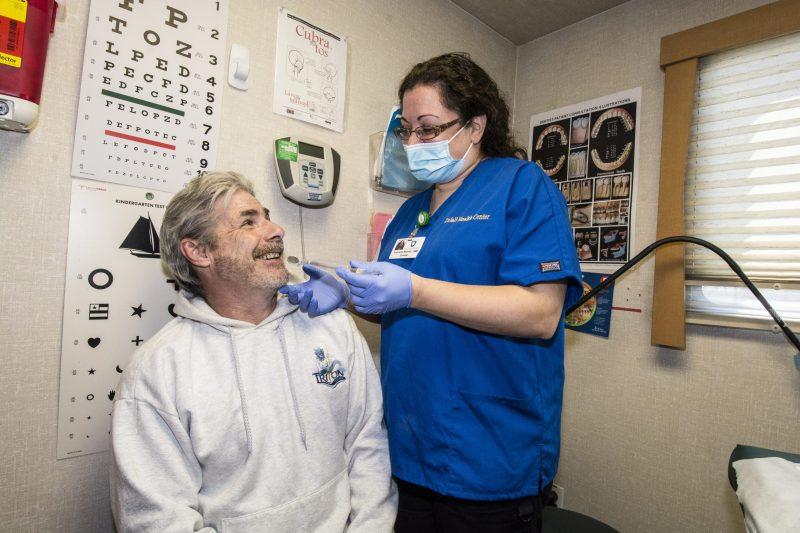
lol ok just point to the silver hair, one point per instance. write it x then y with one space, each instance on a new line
190 215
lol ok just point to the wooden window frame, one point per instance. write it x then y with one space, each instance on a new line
680 53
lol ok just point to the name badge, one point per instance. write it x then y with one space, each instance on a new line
407 248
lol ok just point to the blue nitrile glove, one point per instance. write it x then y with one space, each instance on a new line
321 294
383 287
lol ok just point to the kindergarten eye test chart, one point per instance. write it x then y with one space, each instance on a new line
151 91
590 151
116 297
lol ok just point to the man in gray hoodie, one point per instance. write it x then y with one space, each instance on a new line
243 414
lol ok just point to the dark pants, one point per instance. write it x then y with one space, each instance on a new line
422 510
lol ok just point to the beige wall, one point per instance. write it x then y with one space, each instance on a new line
38 493
647 432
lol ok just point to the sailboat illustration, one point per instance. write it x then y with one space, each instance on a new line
142 240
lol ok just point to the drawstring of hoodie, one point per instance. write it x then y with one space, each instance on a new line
240 385
300 422
242 398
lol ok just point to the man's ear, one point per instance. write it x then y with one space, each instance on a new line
196 253
476 128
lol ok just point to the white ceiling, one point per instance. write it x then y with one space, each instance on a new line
521 21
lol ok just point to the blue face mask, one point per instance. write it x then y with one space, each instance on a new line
432 163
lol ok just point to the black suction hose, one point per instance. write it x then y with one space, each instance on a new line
790 336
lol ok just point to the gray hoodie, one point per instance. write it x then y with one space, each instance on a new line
221 425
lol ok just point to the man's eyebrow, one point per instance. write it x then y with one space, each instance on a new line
248 213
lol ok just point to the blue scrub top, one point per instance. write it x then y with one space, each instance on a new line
471 414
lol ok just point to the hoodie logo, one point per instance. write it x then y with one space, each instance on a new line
330 373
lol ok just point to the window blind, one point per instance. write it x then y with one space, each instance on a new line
743 167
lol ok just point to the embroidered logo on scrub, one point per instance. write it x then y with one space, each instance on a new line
468 218
550 266
330 373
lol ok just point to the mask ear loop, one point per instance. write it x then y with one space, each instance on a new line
464 157
459 131
471 144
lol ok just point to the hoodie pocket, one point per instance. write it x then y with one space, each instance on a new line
324 509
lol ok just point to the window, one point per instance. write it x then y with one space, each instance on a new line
681 55
742 183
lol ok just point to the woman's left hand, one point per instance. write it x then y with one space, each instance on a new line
382 287
321 294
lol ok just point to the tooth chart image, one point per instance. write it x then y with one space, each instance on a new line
611 139
552 149
589 151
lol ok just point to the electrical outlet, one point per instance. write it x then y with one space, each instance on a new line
559 490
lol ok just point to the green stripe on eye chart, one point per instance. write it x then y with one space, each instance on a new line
139 101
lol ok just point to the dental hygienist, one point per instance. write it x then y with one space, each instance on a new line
472 281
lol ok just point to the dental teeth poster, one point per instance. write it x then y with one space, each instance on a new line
310 72
151 92
116 297
590 151
594 316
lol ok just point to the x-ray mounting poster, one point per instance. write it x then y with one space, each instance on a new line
310 72
151 91
116 297
590 151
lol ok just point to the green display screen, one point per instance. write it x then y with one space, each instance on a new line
312 150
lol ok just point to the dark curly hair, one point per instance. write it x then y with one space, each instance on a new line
469 91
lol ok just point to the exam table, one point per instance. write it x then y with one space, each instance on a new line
767 484
752 452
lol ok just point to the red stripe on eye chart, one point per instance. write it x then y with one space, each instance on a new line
139 139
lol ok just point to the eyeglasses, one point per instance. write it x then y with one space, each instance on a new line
423 133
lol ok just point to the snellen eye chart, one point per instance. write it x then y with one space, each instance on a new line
116 297
151 91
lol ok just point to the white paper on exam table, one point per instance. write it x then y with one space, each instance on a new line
769 491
